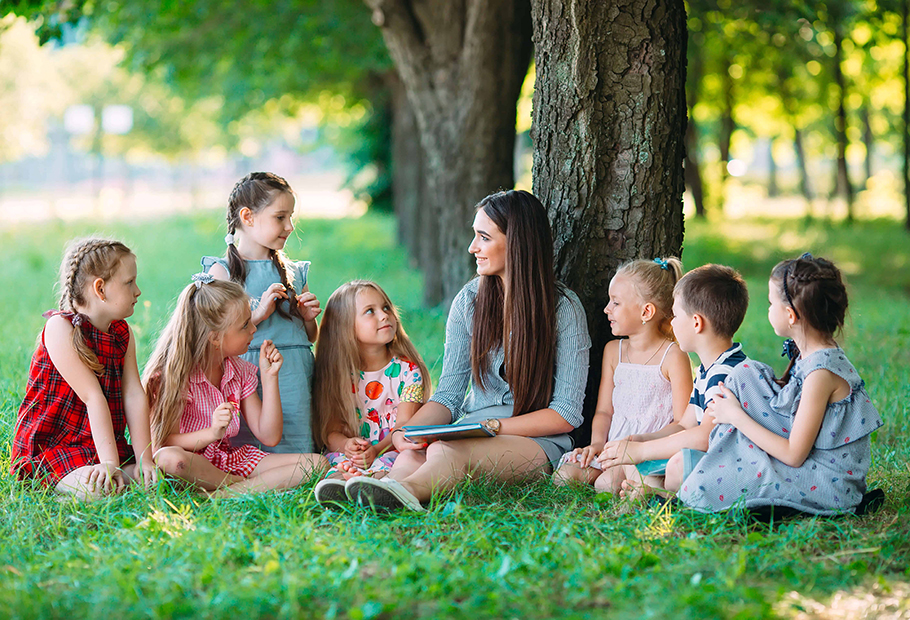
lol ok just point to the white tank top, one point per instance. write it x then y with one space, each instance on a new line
642 398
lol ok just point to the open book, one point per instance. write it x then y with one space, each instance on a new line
429 434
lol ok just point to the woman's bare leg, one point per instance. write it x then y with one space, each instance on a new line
406 463
506 457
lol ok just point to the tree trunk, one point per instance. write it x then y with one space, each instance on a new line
905 16
804 187
692 160
840 124
462 64
608 129
868 142
407 170
773 189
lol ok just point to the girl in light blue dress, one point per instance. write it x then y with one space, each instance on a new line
259 221
803 442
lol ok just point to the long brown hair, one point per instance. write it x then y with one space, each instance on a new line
184 346
338 361
524 323
256 191
85 260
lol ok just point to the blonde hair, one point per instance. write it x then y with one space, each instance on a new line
338 361
653 281
184 346
85 260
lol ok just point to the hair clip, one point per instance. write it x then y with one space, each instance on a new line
806 256
663 264
202 278
790 350
229 239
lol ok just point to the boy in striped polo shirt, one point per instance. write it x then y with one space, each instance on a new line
709 305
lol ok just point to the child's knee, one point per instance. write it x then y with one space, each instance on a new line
610 481
173 461
673 479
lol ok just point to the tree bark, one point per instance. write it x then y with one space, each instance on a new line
840 123
608 130
868 142
804 187
462 63
407 169
693 161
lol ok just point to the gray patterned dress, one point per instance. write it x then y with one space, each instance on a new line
832 480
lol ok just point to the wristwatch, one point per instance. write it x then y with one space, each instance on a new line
493 425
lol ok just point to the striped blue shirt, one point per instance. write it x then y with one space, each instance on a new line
707 379
570 373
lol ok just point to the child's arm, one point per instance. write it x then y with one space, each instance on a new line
58 338
603 412
137 415
196 441
678 370
267 302
264 417
308 309
819 388
687 434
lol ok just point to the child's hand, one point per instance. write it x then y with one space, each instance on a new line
354 446
619 452
583 456
270 298
221 417
148 473
308 306
725 407
366 457
105 477
270 359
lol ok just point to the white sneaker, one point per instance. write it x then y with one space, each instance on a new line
382 493
330 493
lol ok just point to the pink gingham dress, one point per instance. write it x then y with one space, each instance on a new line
238 382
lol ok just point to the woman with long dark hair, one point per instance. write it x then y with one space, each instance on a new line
516 360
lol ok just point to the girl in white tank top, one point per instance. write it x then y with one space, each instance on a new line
646 379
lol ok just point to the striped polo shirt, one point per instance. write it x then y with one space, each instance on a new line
707 379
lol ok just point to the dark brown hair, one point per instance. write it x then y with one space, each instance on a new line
256 191
717 293
815 290
524 324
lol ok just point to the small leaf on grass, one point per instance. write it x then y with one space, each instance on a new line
505 567
347 574
603 499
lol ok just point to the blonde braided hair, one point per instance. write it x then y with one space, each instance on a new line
85 260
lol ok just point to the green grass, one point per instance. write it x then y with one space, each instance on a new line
485 551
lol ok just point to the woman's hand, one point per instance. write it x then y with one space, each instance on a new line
105 477
583 456
400 442
725 407
308 306
355 446
221 417
270 359
268 302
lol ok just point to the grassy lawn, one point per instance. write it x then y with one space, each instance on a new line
483 552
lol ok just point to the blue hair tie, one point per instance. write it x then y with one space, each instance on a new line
663 264
790 350
202 278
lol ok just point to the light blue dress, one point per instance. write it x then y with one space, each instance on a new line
832 480
289 336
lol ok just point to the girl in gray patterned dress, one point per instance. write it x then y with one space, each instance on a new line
803 442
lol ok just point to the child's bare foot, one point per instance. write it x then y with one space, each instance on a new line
637 491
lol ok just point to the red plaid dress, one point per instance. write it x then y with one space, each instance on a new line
53 436
238 381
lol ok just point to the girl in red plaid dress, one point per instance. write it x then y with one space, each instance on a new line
198 387
83 385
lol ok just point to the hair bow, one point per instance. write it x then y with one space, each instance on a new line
663 264
202 278
790 350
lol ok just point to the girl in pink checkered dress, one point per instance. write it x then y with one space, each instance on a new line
198 387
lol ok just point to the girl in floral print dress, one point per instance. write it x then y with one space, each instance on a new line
369 380
802 442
